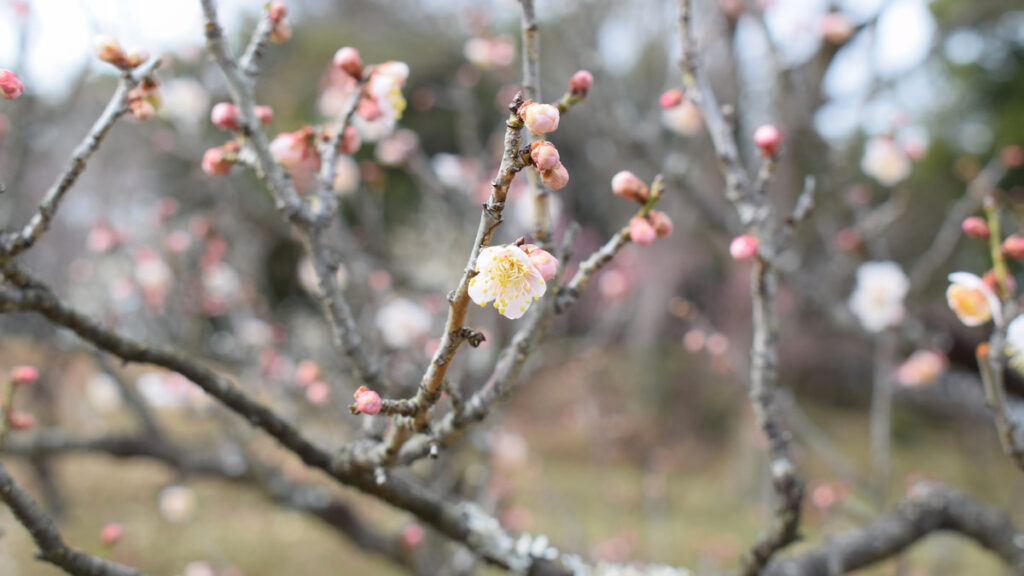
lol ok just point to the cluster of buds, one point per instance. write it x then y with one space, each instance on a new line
282 31
226 116
649 225
219 161
10 85
144 99
542 119
109 50
367 402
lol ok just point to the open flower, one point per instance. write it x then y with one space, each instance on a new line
885 161
509 278
1015 343
973 302
877 300
383 103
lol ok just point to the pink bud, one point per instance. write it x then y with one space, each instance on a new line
544 155
216 163
661 222
350 141
24 375
225 116
109 50
290 148
540 118
367 401
307 372
412 535
671 98
265 114
581 82
282 33
142 109
744 248
1013 247
546 264
21 420
347 60
768 139
641 232
556 178
975 227
836 28
10 85
629 186
111 535
277 11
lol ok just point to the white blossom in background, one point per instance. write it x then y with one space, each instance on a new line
488 53
185 103
396 149
971 299
877 299
102 393
403 323
177 503
1015 343
506 276
199 569
885 161
346 175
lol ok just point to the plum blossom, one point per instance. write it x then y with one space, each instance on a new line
972 300
185 102
384 93
402 323
877 299
1015 343
10 85
177 503
507 276
885 162
683 118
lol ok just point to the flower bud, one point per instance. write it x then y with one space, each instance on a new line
641 232
21 420
412 535
836 28
581 82
216 162
277 11
744 248
265 114
975 227
540 118
318 392
546 264
347 60
109 50
10 85
307 372
671 98
556 178
136 57
282 33
544 155
629 186
1013 247
142 109
661 222
350 141
290 148
367 402
225 116
768 139
111 535
24 375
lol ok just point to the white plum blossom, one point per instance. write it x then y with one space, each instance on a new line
506 276
885 161
972 300
683 119
1015 343
402 323
385 89
177 503
877 299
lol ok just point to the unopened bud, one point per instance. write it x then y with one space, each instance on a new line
544 155
661 222
216 162
744 248
555 178
671 98
111 535
109 50
629 186
768 139
546 264
641 232
265 114
540 118
347 60
975 227
225 116
24 375
367 402
10 85
277 11
581 82
1013 247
